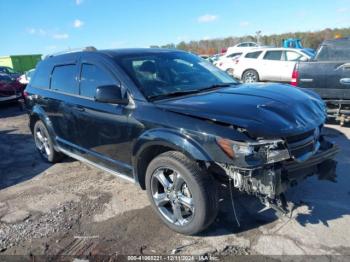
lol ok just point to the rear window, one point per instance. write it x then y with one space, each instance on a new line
64 79
41 76
334 53
273 55
253 55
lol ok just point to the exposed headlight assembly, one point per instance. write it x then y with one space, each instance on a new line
268 151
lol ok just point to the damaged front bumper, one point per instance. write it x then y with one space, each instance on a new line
269 182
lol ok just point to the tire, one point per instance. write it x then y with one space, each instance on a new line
187 196
250 76
43 143
229 71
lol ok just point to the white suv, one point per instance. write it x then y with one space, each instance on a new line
268 64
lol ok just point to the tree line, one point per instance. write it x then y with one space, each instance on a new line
214 46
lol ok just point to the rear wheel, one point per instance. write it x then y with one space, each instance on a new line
182 194
43 143
229 71
250 76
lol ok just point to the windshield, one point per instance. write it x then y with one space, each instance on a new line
162 73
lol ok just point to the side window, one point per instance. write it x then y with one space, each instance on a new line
323 53
64 79
91 77
234 55
273 55
293 56
253 55
41 76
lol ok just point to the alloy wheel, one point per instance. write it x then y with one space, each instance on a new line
172 196
42 142
250 77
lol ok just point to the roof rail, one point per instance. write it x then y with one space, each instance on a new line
73 50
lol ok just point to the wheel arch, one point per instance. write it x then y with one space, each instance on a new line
155 142
38 113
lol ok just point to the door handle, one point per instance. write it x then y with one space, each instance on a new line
79 108
345 81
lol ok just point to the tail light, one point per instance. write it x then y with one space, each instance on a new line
295 76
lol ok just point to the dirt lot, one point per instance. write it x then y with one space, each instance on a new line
74 209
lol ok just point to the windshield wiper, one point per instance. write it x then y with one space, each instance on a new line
214 86
189 92
174 94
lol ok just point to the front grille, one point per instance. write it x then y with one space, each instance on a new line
302 144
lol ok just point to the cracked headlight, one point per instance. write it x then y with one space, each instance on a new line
268 151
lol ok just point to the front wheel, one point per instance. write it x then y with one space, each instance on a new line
183 195
250 76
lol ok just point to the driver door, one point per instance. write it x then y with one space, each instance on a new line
104 131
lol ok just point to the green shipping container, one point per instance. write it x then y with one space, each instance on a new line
20 63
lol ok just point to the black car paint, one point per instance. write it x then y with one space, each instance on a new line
323 74
118 137
329 76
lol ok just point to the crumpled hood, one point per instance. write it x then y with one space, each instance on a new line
265 110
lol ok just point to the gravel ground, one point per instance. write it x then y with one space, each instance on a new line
73 209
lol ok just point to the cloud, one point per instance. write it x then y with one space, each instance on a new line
78 23
36 31
60 36
244 24
207 18
79 2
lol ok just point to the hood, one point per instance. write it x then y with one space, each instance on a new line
265 110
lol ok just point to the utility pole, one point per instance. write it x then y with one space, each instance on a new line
258 34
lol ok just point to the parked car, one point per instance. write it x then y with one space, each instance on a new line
328 75
267 64
5 70
10 89
241 47
177 126
25 78
225 62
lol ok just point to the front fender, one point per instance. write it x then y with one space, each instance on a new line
170 138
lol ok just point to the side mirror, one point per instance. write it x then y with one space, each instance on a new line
111 94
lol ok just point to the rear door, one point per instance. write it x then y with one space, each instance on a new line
338 73
64 87
271 66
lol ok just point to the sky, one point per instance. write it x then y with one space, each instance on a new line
48 26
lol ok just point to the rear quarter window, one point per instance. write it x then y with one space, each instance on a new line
41 76
253 55
64 79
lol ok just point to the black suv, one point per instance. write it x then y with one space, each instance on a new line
176 125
